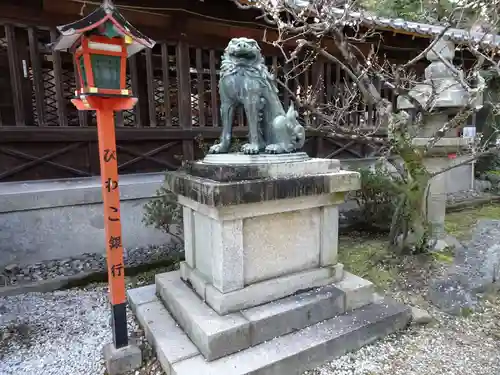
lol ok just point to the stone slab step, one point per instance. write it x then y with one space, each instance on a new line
290 354
219 335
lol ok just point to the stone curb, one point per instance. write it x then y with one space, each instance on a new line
469 203
81 279
45 286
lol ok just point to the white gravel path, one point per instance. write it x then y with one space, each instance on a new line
449 346
60 333
426 352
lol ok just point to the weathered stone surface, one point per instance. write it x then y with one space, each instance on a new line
419 316
194 280
440 80
208 330
290 354
239 167
447 242
216 194
123 360
259 293
213 334
293 313
482 185
161 329
478 264
239 158
476 267
59 219
451 296
305 349
138 296
358 291
270 290
274 244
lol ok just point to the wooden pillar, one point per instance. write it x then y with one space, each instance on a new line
105 108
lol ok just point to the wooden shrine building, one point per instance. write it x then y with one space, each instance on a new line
42 136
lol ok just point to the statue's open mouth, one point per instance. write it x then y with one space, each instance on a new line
243 54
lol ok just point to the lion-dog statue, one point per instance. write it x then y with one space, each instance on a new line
245 81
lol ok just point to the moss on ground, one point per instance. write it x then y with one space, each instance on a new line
461 223
365 256
368 256
148 277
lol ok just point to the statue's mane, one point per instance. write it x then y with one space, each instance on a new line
230 64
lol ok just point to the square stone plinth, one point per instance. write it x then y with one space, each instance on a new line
278 342
251 229
260 292
217 335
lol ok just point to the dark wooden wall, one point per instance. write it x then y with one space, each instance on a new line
43 136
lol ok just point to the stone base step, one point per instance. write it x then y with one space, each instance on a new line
217 335
290 354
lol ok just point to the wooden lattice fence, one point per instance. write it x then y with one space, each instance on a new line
43 136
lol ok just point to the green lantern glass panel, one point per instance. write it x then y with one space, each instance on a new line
82 71
106 71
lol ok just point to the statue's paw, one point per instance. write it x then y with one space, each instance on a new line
218 148
275 149
250 148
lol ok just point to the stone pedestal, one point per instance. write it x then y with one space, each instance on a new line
438 159
253 240
261 287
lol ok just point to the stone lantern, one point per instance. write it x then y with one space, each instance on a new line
443 92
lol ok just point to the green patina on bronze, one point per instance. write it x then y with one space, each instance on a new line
246 82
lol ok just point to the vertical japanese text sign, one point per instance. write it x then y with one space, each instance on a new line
101 43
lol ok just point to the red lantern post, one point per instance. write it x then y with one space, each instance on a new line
101 43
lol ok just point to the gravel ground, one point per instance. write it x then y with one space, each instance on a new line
62 333
448 346
59 333
55 333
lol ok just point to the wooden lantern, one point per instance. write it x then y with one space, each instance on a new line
101 66
101 42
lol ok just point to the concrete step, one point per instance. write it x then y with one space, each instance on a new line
290 354
217 335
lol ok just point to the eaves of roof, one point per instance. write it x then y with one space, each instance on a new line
459 36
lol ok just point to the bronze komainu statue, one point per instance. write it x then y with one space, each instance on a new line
246 81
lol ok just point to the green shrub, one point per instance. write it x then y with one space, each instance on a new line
487 164
377 197
164 213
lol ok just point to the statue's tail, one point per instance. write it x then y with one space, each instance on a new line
296 130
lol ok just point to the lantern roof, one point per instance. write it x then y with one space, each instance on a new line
107 20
